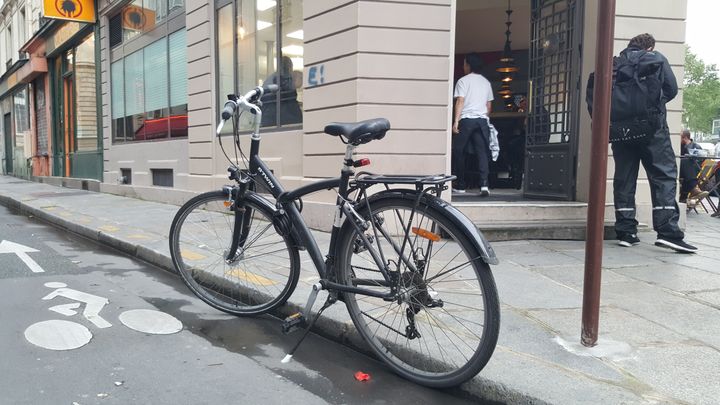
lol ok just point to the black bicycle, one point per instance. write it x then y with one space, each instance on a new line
412 270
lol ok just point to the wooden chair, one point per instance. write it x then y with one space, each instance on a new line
704 181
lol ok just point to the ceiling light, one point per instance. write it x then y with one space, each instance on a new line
509 68
296 35
261 25
292 50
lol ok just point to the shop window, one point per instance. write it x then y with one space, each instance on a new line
142 16
115 28
86 96
22 116
177 55
41 116
261 42
149 91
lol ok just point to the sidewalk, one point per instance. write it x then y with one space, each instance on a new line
659 322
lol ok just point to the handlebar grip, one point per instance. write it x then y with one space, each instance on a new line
228 110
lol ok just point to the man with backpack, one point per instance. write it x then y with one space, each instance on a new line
643 83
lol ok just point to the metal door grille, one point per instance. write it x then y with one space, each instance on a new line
551 143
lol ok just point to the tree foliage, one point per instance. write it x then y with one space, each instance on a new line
701 97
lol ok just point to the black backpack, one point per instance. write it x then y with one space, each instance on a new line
636 103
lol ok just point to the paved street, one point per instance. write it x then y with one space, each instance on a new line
659 325
214 359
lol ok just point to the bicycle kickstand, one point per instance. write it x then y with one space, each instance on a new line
293 321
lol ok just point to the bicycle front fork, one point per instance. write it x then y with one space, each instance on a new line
242 220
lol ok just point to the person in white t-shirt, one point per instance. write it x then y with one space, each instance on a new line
473 99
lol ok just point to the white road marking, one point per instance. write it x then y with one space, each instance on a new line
58 335
22 253
93 304
151 321
55 284
66 309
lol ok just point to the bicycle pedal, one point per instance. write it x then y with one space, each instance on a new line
293 322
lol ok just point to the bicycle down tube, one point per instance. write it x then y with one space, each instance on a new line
287 201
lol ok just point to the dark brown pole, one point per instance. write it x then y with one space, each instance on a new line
598 172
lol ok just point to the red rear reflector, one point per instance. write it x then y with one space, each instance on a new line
426 234
362 162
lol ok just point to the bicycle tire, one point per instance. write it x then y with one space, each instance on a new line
419 359
261 278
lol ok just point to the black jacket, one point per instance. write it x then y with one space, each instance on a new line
670 86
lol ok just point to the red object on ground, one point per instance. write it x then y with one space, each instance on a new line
360 376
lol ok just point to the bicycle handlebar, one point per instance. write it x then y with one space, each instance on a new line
246 102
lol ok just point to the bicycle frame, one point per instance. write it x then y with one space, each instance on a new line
287 210
257 169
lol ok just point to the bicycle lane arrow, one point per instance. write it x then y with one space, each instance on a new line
22 252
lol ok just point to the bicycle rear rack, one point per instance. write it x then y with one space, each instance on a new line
364 179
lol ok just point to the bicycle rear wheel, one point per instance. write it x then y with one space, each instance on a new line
262 273
443 327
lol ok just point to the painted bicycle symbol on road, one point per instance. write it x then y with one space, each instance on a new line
58 334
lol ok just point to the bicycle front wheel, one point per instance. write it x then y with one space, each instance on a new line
259 276
442 328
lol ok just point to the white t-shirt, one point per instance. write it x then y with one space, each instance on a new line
477 91
717 150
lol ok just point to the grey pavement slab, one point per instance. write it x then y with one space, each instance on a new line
709 297
615 324
673 277
674 310
549 259
658 366
665 306
572 277
524 288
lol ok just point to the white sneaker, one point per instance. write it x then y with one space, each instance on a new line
455 190
484 191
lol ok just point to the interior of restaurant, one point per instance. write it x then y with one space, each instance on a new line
499 30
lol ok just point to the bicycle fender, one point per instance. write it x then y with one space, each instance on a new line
451 213
280 225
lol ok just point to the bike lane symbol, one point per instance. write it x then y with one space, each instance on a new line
93 303
67 335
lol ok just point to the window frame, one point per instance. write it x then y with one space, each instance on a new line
174 22
278 127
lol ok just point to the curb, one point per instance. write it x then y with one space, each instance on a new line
479 389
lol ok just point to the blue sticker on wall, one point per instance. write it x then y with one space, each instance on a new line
316 75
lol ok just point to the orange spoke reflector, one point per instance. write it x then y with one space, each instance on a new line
227 203
426 234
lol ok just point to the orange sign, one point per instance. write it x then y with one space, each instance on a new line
138 18
74 10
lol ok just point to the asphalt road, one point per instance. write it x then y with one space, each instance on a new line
130 333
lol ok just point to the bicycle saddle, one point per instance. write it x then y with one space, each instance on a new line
361 132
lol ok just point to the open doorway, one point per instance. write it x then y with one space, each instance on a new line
530 53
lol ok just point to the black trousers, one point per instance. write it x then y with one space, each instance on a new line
689 169
658 159
474 135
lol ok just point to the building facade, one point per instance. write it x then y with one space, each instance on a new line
49 95
165 67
